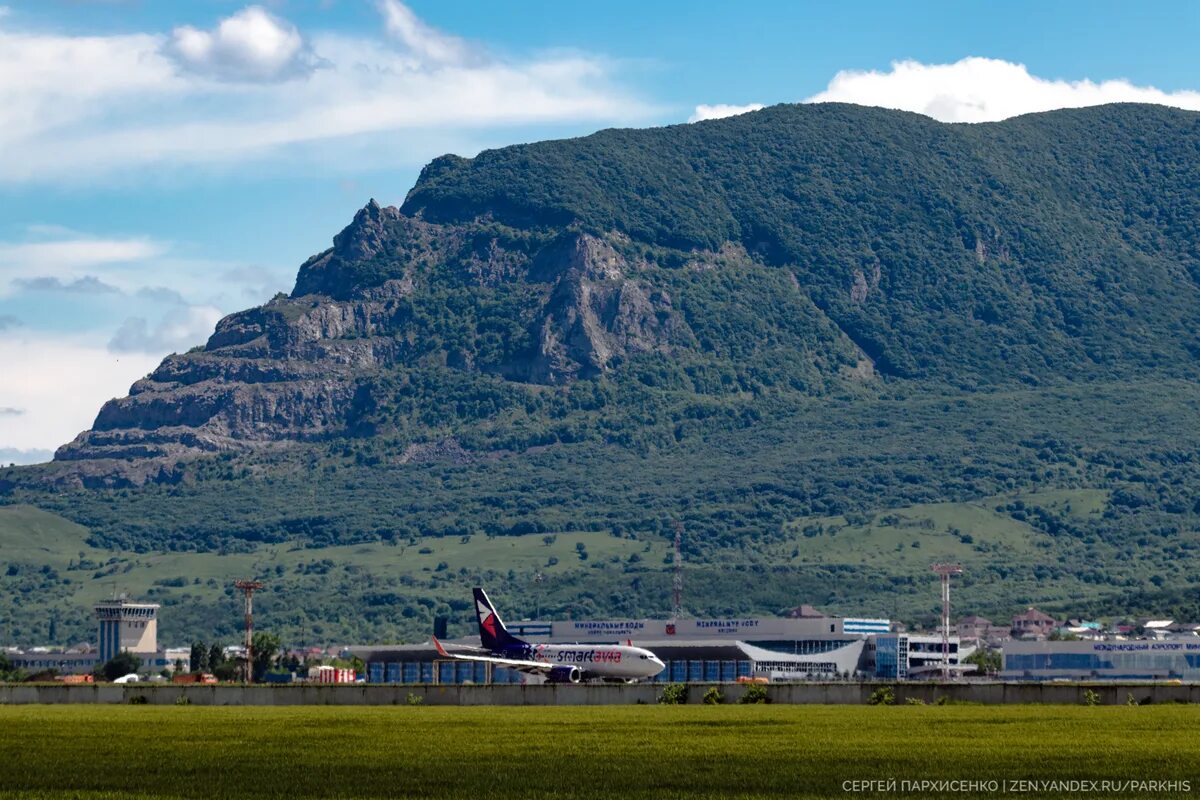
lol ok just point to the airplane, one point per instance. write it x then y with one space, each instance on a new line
558 663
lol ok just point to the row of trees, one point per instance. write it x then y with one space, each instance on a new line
266 647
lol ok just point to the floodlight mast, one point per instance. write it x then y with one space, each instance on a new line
945 571
247 588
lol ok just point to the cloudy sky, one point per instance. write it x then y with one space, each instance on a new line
165 162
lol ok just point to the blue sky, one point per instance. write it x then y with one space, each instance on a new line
165 162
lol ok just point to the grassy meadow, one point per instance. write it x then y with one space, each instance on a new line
559 752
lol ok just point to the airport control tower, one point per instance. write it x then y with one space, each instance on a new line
126 625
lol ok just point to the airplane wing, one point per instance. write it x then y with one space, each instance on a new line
520 665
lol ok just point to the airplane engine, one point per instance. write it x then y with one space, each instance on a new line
565 675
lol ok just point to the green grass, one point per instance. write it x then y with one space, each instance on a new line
630 752
911 536
32 536
889 536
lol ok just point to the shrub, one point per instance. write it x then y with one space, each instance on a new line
883 696
1091 698
118 666
916 701
674 694
414 699
755 694
139 700
183 700
713 696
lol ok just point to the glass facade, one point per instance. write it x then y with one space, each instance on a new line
676 671
891 657
802 647
1104 660
681 671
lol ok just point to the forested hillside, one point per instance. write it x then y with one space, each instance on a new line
834 341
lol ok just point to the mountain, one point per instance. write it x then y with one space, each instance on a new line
777 325
788 249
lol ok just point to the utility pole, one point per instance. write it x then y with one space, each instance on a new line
247 588
677 579
945 571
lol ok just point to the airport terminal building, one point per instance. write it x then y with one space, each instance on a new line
1138 659
693 650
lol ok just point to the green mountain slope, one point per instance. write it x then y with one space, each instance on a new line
966 252
836 342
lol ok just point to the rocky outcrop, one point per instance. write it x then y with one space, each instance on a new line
596 315
293 368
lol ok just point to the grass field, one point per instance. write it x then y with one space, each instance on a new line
627 752
30 535
910 537
397 581
902 540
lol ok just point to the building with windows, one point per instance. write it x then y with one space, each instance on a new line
811 646
1032 624
982 631
123 625
917 656
1138 659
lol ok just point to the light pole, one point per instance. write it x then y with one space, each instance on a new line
247 588
945 571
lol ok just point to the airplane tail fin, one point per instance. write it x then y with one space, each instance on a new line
492 633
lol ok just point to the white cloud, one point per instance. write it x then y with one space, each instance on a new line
73 263
73 108
984 90
425 42
136 267
11 455
251 45
61 382
721 110
162 294
177 330
89 284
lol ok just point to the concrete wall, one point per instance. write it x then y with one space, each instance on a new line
517 695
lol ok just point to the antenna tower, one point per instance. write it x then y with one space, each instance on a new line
945 571
247 588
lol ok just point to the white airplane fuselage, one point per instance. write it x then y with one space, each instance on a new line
557 663
623 662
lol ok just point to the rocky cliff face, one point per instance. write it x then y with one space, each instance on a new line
294 369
